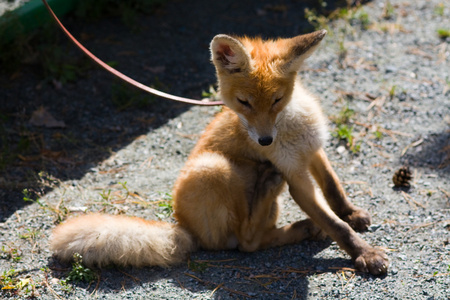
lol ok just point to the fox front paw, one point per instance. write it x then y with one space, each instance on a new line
359 219
269 180
373 261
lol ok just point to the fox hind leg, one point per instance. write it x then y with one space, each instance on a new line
204 199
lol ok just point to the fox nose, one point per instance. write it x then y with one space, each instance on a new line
265 140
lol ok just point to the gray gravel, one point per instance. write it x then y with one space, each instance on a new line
147 147
9 5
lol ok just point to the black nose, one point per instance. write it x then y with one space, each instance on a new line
265 140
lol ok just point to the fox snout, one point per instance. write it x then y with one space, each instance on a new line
262 138
265 140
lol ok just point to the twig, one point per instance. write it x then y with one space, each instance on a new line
412 145
188 136
414 227
215 261
354 182
391 133
230 267
49 287
406 196
409 198
59 203
344 278
33 248
131 276
364 96
255 278
378 102
58 269
214 290
97 285
114 170
441 274
447 194
146 163
205 282
417 51
374 145
368 191
181 285
342 269
386 249
18 217
294 295
294 270
348 280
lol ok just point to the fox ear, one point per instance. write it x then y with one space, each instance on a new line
229 55
300 48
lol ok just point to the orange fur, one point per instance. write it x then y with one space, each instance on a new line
121 240
270 133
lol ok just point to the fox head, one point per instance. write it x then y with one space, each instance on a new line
256 77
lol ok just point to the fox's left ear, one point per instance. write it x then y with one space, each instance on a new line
300 48
229 54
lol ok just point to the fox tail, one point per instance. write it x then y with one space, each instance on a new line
119 240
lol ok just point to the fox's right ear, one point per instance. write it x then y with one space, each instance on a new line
229 55
300 48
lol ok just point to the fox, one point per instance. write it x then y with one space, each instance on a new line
269 135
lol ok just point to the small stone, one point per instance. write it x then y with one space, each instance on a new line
374 227
340 149
391 69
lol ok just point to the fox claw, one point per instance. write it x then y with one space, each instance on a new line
374 261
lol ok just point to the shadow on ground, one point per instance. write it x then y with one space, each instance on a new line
229 274
433 153
94 114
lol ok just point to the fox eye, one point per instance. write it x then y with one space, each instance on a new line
277 100
245 103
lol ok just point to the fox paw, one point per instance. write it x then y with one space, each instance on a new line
359 219
311 230
373 261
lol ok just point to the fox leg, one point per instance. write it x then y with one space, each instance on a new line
207 197
358 218
259 231
291 234
366 258
227 205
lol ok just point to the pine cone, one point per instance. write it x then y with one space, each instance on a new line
402 177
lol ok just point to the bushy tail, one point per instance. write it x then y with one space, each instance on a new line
103 240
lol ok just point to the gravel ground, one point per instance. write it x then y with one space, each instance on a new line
8 5
388 66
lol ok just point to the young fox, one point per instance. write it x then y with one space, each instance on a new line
270 133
